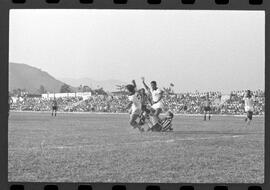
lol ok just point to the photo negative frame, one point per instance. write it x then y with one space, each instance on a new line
7 5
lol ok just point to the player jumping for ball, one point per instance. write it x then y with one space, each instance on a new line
54 107
144 101
145 111
157 103
249 103
134 106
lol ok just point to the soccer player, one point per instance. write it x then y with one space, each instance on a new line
207 108
249 103
144 101
166 122
157 103
10 102
54 107
134 105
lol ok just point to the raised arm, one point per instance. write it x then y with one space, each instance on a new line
134 84
145 86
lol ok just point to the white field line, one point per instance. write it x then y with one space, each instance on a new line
148 142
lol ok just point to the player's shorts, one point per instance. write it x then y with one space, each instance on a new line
156 128
54 108
207 108
145 109
134 115
247 109
136 111
158 105
249 115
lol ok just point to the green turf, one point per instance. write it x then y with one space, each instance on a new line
104 148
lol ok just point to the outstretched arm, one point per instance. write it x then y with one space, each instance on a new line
134 84
146 87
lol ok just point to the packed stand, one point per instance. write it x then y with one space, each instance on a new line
185 103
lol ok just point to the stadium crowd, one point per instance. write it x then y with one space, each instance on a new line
186 103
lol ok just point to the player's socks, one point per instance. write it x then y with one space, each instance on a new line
204 118
209 117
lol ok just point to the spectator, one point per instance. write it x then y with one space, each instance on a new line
185 103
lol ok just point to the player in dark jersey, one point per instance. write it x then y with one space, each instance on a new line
166 122
144 100
54 107
145 111
207 108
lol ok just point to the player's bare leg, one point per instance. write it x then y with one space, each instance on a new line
249 118
204 118
133 122
156 125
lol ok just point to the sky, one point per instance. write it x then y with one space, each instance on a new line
194 50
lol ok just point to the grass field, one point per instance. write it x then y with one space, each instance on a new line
104 148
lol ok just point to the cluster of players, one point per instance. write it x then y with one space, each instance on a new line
147 109
146 105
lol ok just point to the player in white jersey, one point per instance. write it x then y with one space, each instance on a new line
157 103
249 104
134 105
10 102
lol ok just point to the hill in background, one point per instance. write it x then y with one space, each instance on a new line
23 76
30 78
